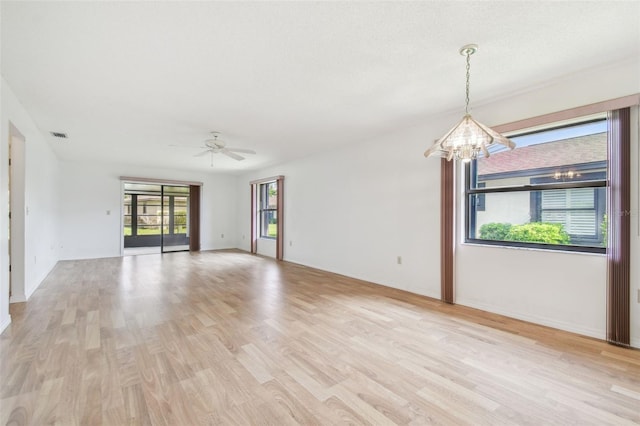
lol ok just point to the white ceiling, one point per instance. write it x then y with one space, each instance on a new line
126 80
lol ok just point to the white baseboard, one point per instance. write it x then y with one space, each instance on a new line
366 279
560 325
43 276
5 324
17 298
635 343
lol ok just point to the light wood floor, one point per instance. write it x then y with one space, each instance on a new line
230 338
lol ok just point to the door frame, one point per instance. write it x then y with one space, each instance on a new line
162 182
17 214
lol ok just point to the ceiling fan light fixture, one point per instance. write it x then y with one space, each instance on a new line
218 146
468 137
214 142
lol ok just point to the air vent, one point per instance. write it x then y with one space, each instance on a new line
59 135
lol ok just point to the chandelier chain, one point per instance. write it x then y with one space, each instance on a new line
466 108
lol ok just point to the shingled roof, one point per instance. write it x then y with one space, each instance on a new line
580 150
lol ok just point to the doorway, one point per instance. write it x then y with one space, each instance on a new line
156 218
17 212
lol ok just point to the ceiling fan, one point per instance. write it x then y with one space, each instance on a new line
217 146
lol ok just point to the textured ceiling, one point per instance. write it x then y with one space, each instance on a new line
127 80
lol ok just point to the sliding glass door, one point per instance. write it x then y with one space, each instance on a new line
175 219
156 218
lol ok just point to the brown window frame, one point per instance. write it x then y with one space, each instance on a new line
472 191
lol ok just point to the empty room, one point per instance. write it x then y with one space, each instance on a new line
319 213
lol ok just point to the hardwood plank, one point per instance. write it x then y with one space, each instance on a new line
224 337
135 405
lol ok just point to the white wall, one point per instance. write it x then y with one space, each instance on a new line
354 210
40 199
90 190
267 247
17 240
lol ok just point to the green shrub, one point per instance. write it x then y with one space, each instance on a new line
494 231
180 217
539 232
534 232
604 228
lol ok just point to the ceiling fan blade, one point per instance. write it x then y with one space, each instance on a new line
232 155
242 150
202 153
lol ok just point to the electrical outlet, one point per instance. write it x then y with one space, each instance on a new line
290 243
399 260
221 235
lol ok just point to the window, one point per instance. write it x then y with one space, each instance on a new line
580 210
268 203
550 192
480 198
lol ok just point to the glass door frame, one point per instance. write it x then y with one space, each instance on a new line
171 220
167 224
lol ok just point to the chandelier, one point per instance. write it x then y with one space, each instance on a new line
467 138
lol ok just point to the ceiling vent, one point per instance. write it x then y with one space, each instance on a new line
59 135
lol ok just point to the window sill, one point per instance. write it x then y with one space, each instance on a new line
538 249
